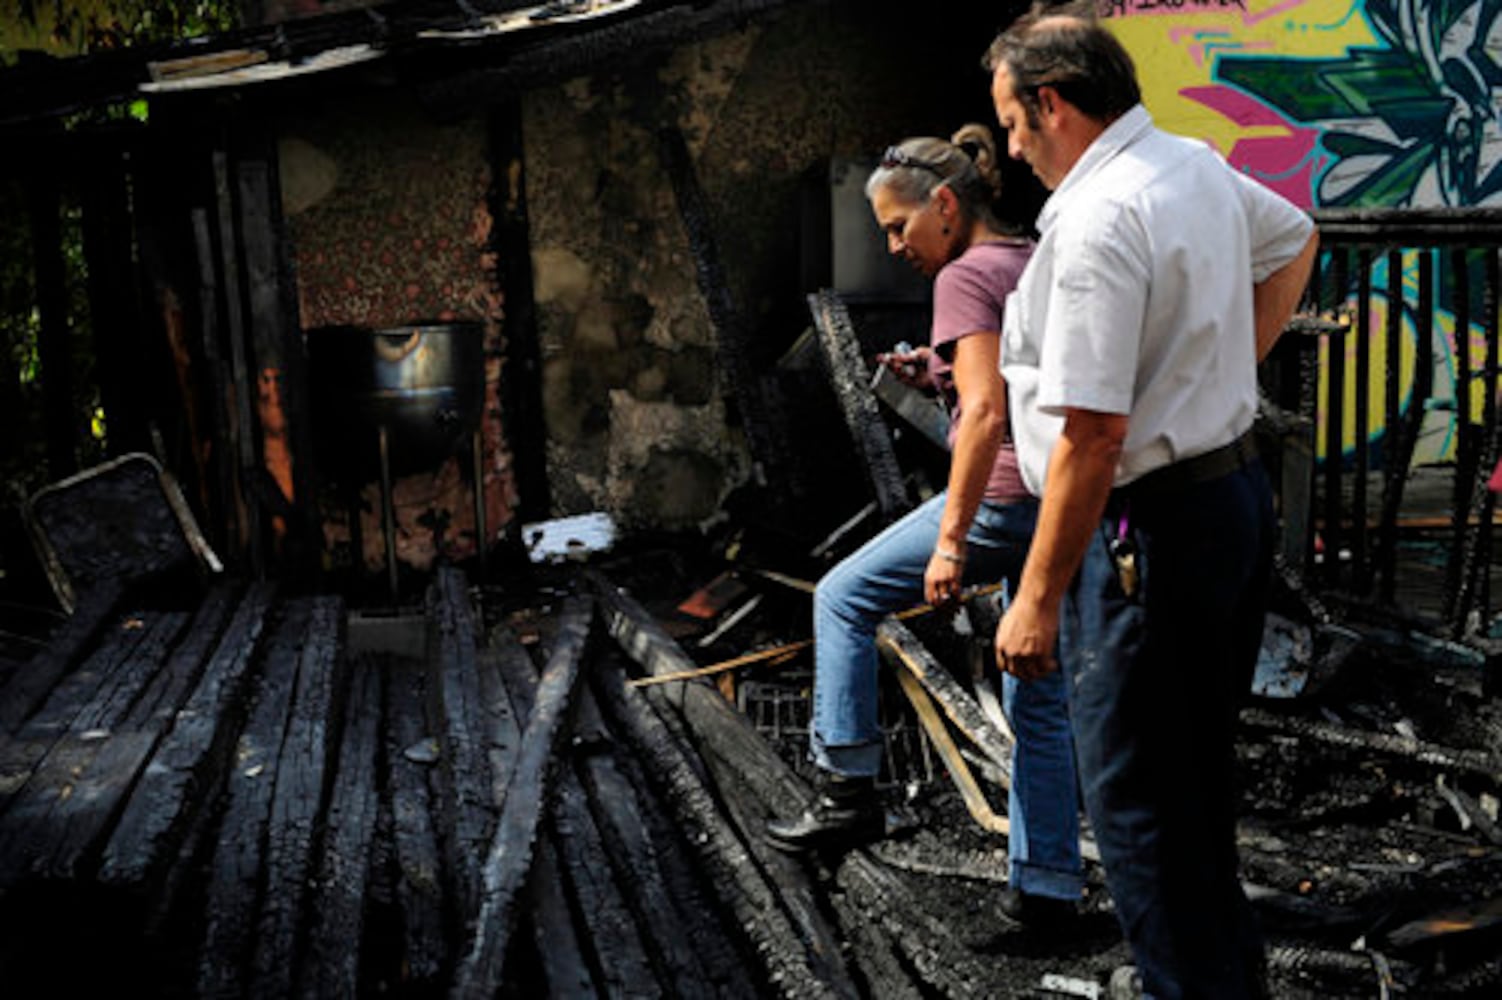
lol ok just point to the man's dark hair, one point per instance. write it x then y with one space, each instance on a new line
1072 53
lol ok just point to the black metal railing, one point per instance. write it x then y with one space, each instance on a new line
1389 280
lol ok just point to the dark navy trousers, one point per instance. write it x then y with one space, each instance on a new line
1155 679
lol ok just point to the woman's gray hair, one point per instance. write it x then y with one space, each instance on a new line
965 163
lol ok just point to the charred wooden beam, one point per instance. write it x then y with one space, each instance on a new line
419 889
727 738
533 60
456 720
241 444
590 946
794 940
798 966
78 695
193 755
27 830
565 967
226 528
87 806
522 411
30 685
1470 761
510 855
285 481
852 386
331 965
616 955
1324 968
234 883
898 643
303 773
959 772
499 661
924 939
673 931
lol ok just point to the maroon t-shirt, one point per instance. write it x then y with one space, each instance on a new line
970 293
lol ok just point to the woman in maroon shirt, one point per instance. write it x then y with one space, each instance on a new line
933 200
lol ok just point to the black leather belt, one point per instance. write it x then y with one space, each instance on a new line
1199 469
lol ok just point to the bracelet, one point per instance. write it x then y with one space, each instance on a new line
949 556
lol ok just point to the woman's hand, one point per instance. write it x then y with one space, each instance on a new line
941 581
910 364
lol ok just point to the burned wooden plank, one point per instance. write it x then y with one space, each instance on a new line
636 858
521 390
743 888
500 722
1332 734
510 855
26 835
852 386
241 441
878 962
959 772
80 820
560 952
722 949
221 401
419 886
78 694
792 940
899 643
609 936
727 739
276 349
29 686
234 875
193 755
606 948
925 939
303 771
456 719
331 966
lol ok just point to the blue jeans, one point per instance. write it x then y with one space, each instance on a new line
1155 681
886 575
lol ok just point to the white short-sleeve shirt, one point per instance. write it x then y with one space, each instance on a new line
1138 299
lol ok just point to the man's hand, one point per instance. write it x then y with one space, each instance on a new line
1026 639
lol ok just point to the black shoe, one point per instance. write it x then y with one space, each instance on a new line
1037 911
845 813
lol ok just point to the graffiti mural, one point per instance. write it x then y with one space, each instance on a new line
1345 103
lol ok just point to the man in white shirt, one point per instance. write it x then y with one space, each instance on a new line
1161 277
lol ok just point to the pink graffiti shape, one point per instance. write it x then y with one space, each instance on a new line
1184 8
1285 163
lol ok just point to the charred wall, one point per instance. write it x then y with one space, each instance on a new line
640 419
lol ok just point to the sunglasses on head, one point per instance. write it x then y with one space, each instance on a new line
896 157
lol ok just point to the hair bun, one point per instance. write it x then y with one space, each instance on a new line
979 144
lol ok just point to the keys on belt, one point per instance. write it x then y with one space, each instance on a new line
1124 555
1123 552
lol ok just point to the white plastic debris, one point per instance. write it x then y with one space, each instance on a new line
569 537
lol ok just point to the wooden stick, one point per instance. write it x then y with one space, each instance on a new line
793 647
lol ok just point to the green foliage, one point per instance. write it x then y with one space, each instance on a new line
76 26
